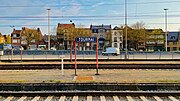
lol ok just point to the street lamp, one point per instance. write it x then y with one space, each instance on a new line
48 29
12 43
126 30
166 27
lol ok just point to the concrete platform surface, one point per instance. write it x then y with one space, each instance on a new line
92 62
106 76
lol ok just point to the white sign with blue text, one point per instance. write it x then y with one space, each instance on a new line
86 39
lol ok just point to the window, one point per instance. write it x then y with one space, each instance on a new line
115 45
101 36
172 37
174 49
115 39
141 43
33 40
160 41
174 43
18 35
14 41
14 35
121 38
160 36
23 42
95 31
101 30
115 33
23 37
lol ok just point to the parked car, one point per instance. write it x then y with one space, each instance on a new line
111 50
7 47
16 47
53 48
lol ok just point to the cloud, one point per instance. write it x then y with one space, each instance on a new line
98 4
73 9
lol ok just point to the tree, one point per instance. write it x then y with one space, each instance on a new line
1 39
31 36
8 41
135 34
139 25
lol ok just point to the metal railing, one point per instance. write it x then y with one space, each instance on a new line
51 54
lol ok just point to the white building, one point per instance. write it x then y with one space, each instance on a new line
117 37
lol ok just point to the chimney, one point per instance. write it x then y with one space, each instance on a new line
59 24
73 24
38 29
90 26
23 28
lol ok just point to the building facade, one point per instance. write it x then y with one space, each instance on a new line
30 38
155 40
65 36
103 32
16 37
27 38
117 37
173 41
84 32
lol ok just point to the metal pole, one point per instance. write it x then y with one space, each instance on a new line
48 29
71 52
126 30
75 67
12 44
21 53
166 27
12 55
97 55
62 66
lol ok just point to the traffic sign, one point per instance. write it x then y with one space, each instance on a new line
86 39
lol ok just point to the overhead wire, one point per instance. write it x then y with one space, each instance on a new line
105 4
147 15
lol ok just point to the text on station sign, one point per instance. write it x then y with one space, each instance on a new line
86 39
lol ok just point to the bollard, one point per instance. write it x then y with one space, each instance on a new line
11 54
62 64
62 67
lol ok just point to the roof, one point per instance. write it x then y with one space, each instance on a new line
16 31
173 36
150 30
66 25
108 27
117 28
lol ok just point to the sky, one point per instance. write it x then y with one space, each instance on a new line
33 13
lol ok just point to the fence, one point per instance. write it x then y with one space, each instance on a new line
51 54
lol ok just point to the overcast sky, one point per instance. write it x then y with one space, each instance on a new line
33 13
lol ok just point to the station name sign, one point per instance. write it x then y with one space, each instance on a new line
86 39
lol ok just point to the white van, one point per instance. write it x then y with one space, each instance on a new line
7 46
111 50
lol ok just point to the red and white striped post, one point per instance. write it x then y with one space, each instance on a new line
71 51
75 64
97 55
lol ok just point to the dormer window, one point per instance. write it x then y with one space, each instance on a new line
172 37
115 33
101 31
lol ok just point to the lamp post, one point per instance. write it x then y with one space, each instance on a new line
48 29
166 27
12 43
126 30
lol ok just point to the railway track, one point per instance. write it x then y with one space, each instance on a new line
90 96
91 65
